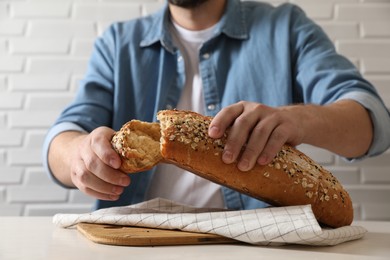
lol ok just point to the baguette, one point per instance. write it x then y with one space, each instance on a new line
292 178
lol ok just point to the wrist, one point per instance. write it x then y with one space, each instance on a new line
61 153
302 119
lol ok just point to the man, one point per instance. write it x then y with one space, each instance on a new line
269 74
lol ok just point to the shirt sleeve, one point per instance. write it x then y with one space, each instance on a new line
380 120
53 132
323 76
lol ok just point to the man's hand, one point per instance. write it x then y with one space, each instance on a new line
255 130
88 162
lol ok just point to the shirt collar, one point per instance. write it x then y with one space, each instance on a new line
233 24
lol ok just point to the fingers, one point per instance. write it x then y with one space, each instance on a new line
274 143
104 172
101 146
234 118
256 133
246 134
224 119
256 149
95 168
238 137
94 186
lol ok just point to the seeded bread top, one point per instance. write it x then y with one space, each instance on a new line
292 178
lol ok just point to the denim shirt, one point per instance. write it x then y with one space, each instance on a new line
272 55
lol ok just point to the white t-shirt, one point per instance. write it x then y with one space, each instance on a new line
171 182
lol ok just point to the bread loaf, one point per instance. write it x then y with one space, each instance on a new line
292 178
181 138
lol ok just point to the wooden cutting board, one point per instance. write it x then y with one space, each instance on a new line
135 236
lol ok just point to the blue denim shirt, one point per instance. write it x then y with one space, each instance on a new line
276 56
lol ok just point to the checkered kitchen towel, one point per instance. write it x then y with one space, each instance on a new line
265 226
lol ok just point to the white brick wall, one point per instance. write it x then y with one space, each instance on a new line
44 49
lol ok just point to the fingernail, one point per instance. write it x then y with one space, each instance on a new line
243 165
115 164
117 190
113 197
124 181
213 131
227 157
262 160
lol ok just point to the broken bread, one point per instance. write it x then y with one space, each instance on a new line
292 178
138 145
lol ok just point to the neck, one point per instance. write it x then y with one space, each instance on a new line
200 17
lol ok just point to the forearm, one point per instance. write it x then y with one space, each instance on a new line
343 127
60 155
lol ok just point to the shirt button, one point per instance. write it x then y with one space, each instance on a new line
206 55
180 58
211 107
169 107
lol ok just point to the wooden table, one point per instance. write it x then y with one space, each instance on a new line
38 238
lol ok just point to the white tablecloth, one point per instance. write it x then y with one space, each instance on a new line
265 226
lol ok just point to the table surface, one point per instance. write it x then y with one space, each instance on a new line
39 238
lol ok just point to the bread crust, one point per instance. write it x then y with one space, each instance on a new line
292 178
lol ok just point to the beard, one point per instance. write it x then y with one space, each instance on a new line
187 3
